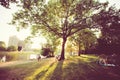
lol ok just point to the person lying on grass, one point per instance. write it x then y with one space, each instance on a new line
103 60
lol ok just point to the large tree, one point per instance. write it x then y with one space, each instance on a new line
61 18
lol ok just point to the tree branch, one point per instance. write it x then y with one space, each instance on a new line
51 29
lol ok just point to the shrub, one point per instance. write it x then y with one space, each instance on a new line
2 46
19 48
47 52
12 48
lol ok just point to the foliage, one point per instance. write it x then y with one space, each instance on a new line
109 22
61 18
12 48
19 48
6 3
85 40
2 46
52 40
47 52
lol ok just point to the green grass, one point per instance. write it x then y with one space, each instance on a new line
73 68
12 56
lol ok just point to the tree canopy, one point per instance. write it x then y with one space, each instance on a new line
85 39
109 23
61 18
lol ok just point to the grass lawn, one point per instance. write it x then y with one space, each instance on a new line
73 68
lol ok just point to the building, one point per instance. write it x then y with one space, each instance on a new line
15 41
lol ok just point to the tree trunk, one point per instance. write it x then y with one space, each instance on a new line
79 50
62 57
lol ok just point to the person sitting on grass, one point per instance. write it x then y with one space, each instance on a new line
3 59
57 57
103 60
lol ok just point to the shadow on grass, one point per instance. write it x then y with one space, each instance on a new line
92 71
83 68
57 74
3 73
42 73
74 71
17 72
51 72
77 68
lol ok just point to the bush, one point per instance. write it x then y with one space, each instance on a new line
47 52
19 48
2 46
12 48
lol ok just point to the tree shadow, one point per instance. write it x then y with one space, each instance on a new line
74 71
3 74
57 74
42 73
92 71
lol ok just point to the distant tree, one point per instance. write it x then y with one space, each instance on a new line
61 18
85 38
47 51
109 23
12 48
52 40
2 46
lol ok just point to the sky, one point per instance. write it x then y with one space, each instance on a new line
7 30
